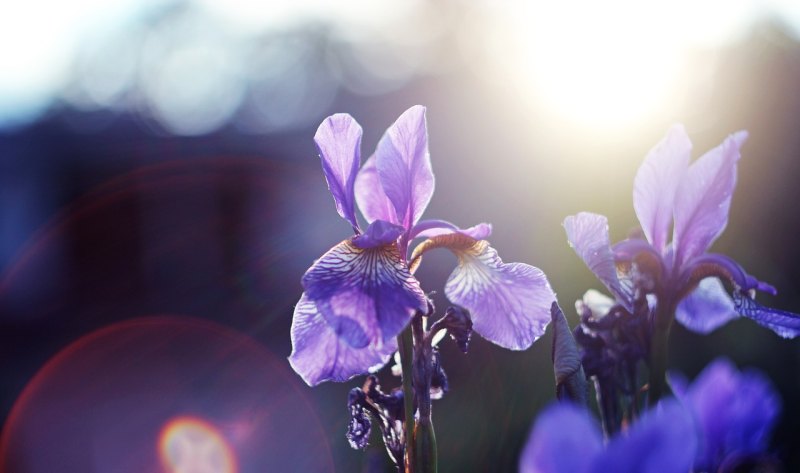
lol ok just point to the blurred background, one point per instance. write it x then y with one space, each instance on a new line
160 198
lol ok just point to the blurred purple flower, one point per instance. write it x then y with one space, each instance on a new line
565 439
361 294
718 423
734 413
694 200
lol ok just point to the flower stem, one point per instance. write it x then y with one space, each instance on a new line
658 353
424 437
405 342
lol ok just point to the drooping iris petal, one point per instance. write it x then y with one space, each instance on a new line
785 324
320 354
370 197
338 140
378 233
734 413
587 234
404 165
663 440
432 228
563 440
656 182
509 303
706 308
371 287
704 198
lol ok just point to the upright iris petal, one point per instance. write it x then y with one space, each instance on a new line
704 199
371 199
404 166
587 234
656 183
369 287
338 140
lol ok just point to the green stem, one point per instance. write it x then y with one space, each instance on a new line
658 354
424 437
405 341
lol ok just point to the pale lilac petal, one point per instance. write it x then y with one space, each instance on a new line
319 354
509 303
704 198
734 413
563 440
378 233
371 199
587 234
371 287
663 440
404 165
433 228
656 182
706 308
338 140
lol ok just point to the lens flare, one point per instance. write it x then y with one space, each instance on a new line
192 445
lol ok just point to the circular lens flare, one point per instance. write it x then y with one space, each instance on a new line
192 445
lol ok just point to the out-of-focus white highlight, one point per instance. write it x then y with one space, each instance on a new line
192 445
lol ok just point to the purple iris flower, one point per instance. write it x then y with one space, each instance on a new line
361 294
685 280
719 422
734 413
566 439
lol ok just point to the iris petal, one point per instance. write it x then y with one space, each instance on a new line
338 140
704 199
706 308
509 302
371 199
663 440
320 354
588 236
404 165
563 440
371 287
656 182
432 228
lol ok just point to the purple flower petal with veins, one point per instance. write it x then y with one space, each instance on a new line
509 302
338 140
404 165
320 352
371 288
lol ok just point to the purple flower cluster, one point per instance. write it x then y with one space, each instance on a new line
720 422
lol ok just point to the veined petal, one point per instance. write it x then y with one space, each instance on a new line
338 140
432 228
509 302
371 199
663 440
563 440
656 182
378 233
369 287
785 324
704 199
587 234
404 165
320 354
706 308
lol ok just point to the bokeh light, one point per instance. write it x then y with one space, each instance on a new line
130 398
192 445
